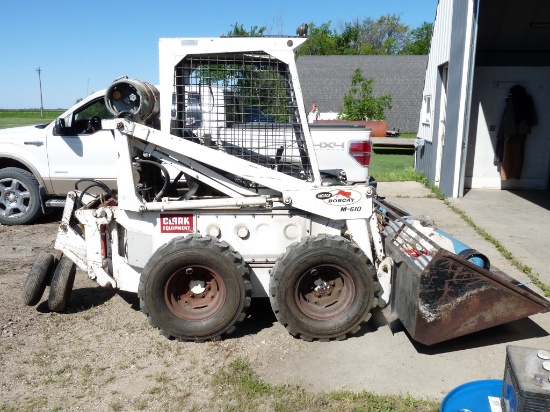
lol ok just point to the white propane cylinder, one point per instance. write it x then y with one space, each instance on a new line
134 98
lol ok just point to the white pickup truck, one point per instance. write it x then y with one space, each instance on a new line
40 164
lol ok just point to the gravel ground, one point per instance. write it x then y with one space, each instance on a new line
102 351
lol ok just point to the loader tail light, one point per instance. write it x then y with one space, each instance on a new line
361 151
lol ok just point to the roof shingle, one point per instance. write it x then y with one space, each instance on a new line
326 79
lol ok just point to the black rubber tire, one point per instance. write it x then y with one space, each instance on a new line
218 301
323 288
38 278
61 285
19 197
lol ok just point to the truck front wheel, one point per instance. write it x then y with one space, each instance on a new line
323 288
195 288
19 197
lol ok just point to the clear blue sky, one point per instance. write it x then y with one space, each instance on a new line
81 47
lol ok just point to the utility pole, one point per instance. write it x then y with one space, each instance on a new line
41 104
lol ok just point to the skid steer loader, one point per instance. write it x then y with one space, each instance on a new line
256 217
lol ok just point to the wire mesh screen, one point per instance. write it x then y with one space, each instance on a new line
243 104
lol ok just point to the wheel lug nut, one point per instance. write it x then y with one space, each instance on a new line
189 271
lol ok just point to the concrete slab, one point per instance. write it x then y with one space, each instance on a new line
385 360
519 220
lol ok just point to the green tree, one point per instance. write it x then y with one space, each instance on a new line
419 40
360 104
238 30
348 40
386 36
321 41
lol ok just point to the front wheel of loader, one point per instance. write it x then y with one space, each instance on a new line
195 288
323 288
61 285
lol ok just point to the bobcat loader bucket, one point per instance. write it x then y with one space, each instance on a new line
439 295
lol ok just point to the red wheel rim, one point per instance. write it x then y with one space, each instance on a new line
194 293
324 292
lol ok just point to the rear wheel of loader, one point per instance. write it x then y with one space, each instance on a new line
323 288
195 288
62 285
38 278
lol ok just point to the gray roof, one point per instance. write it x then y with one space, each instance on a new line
325 80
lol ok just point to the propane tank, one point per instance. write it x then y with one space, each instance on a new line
467 252
133 98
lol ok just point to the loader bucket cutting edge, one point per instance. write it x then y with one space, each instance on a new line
452 297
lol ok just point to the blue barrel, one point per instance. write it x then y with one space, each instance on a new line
467 252
472 396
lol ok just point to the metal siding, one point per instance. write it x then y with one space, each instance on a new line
453 129
452 34
458 90
425 160
439 54
431 148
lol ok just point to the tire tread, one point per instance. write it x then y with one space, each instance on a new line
293 252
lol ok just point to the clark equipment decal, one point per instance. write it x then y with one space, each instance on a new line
339 197
176 223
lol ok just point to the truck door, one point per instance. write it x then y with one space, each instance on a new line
84 151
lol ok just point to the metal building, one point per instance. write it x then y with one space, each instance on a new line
482 51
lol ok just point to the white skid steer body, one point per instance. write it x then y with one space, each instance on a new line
257 218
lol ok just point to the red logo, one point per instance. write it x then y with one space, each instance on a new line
176 223
347 195
339 197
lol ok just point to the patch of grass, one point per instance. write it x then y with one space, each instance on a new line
16 118
29 404
393 165
241 389
117 406
141 404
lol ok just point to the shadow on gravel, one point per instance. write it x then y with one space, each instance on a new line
130 298
259 316
82 299
54 216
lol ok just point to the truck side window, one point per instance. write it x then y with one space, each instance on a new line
87 120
